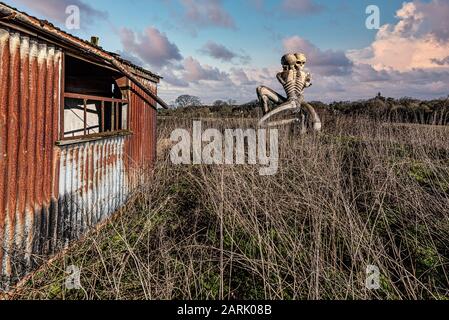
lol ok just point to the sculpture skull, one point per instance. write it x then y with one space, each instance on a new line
289 61
301 60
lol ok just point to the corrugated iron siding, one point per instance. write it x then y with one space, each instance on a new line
141 146
30 81
93 185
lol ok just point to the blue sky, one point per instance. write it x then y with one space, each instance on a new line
223 49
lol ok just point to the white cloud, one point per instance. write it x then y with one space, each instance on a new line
418 40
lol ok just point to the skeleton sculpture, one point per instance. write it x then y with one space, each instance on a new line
294 80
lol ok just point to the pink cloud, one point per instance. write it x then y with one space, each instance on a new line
151 46
328 62
56 9
220 52
207 13
301 7
194 71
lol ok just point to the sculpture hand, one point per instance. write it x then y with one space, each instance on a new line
308 80
280 78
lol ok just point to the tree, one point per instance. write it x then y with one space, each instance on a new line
220 103
187 101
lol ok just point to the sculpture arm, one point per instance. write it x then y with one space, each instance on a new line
308 80
280 78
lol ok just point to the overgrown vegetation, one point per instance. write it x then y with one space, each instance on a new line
361 193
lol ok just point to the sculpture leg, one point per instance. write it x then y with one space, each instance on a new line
289 105
303 122
265 95
314 117
283 122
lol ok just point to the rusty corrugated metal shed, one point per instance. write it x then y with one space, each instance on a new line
52 192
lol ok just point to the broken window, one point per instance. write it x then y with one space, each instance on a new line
93 102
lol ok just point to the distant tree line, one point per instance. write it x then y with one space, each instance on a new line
386 109
185 101
406 109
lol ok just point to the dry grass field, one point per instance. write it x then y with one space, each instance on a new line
360 193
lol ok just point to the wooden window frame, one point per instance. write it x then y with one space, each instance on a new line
114 105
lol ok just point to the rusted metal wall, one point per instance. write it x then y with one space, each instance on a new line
50 195
93 184
29 107
141 146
